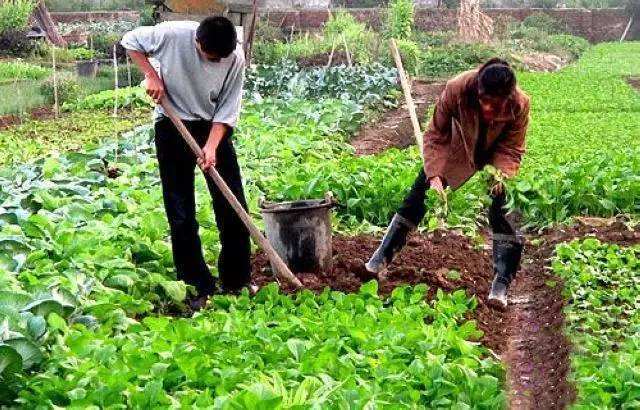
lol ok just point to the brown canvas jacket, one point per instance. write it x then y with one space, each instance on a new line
451 138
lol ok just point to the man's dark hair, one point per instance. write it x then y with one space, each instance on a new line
496 78
217 35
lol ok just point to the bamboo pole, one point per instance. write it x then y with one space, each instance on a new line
56 107
248 46
281 267
346 49
626 30
115 71
333 50
406 88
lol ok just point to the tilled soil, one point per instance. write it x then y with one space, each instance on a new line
394 129
538 352
40 113
322 59
425 259
10 120
528 335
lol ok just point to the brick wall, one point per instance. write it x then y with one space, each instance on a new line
595 25
71 17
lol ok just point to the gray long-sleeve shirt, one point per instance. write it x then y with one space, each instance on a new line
197 88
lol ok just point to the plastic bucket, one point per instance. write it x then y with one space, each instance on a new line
300 232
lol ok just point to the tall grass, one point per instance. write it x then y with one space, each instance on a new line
14 14
20 97
19 70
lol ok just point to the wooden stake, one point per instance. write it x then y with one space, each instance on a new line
626 30
281 267
248 45
333 50
56 108
406 88
346 49
115 71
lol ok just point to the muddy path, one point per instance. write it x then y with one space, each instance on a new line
528 335
394 129
538 352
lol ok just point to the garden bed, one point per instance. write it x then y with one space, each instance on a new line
528 335
394 129
322 59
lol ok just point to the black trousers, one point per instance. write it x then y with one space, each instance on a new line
414 210
177 165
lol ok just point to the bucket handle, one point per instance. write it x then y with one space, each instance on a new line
330 200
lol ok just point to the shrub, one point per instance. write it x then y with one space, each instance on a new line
129 97
543 22
432 39
564 44
81 53
14 14
410 53
502 26
342 22
399 19
106 72
527 34
63 55
68 88
103 44
15 43
11 70
361 40
454 58
147 17
268 32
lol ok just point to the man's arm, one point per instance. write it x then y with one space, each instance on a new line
226 114
153 82
140 44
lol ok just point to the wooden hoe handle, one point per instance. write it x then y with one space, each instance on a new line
281 268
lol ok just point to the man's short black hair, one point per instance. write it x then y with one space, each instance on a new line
496 78
217 35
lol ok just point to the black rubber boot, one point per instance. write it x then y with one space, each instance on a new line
392 243
507 252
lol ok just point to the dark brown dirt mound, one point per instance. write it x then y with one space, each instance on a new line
43 113
426 259
10 120
634 82
394 129
322 59
40 113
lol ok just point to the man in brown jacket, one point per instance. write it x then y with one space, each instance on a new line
480 119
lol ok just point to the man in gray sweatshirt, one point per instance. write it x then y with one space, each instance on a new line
199 68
